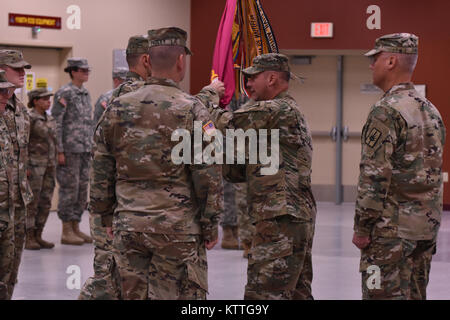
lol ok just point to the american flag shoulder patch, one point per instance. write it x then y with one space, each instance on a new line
209 128
63 102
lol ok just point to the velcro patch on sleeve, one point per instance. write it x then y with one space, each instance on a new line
372 137
209 128
63 102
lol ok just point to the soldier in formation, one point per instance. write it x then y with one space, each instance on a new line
72 111
119 75
41 167
15 191
105 284
165 214
399 203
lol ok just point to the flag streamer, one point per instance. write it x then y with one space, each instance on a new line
244 32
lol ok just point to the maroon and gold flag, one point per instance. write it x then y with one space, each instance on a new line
244 33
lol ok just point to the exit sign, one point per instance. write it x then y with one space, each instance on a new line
321 30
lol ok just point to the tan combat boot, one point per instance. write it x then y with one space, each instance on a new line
228 239
68 236
76 229
30 242
44 244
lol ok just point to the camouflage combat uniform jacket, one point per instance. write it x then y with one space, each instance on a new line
134 176
400 182
288 191
101 105
132 82
14 138
72 111
42 148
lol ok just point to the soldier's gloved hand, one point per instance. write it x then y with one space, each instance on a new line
61 159
218 86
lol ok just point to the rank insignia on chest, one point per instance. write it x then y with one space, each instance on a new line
209 128
373 137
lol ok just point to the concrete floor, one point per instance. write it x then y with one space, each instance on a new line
44 274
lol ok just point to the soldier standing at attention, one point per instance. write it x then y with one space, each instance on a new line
399 203
281 204
105 284
41 167
15 192
139 65
165 214
119 76
72 111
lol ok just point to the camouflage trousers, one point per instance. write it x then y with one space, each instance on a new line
73 179
229 217
278 262
105 284
161 266
42 182
397 269
12 239
245 221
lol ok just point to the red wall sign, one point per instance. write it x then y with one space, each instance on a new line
26 20
321 30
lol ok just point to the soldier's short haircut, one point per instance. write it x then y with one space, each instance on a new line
133 59
165 57
69 70
407 62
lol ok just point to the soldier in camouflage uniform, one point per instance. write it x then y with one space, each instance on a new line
72 111
399 203
139 64
119 76
15 192
164 214
281 205
105 284
41 166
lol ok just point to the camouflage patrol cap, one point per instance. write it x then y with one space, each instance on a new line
4 83
120 73
269 62
137 45
395 43
76 63
13 59
171 36
39 93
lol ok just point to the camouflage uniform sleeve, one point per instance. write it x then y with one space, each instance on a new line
210 99
103 176
208 186
100 106
208 96
379 139
58 112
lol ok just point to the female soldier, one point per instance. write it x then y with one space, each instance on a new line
41 166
